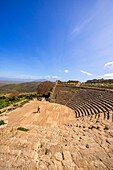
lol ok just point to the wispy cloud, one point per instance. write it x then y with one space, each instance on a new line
108 76
52 77
85 72
66 71
82 25
109 65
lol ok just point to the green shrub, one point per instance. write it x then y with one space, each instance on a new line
22 129
7 101
2 122
2 111
24 102
15 105
72 90
10 109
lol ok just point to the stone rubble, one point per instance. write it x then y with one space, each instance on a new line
56 140
72 146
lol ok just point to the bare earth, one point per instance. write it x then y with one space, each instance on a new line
56 140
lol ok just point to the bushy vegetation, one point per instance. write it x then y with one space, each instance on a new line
7 101
69 82
4 103
24 102
72 90
2 111
14 100
103 83
22 129
2 122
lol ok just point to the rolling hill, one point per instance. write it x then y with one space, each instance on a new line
18 87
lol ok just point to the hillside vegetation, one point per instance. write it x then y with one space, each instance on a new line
45 88
19 88
17 100
102 83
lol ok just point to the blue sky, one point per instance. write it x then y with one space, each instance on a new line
56 39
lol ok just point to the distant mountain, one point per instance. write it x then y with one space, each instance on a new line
40 80
8 80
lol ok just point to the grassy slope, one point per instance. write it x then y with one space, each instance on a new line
19 88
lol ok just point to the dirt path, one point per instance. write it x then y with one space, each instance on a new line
50 114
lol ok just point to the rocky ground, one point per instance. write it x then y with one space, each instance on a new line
80 144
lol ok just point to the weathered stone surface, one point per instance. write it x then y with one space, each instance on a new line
58 165
58 156
67 155
67 146
68 164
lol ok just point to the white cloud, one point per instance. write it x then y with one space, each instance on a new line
108 76
84 72
109 65
52 77
48 77
81 26
66 71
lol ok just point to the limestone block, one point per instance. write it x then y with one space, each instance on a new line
58 165
67 155
68 164
58 156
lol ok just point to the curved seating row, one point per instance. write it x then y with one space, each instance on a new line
85 101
